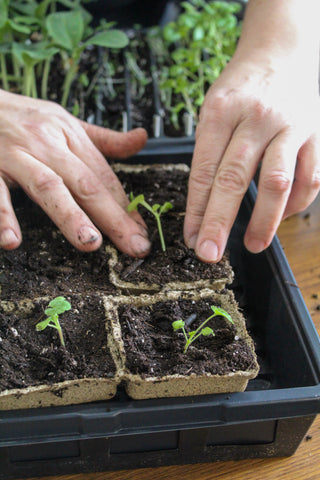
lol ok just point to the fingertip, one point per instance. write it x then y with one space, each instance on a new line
9 239
255 245
89 239
140 246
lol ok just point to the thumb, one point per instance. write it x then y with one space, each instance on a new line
116 144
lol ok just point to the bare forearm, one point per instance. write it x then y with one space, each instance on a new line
281 32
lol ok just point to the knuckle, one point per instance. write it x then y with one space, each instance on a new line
200 180
45 181
315 181
88 186
232 178
218 99
276 181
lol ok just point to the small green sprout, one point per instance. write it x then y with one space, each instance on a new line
155 209
202 329
57 306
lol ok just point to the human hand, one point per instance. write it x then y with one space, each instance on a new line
252 115
58 161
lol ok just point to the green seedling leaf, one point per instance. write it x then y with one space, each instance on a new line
220 311
42 325
109 39
56 307
59 305
166 207
66 29
155 209
206 331
178 324
203 329
135 202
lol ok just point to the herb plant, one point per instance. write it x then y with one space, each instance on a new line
33 32
204 330
192 51
57 306
157 210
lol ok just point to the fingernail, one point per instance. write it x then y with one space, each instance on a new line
208 251
8 237
88 235
140 244
191 242
255 245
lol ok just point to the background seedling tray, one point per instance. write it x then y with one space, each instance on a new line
269 419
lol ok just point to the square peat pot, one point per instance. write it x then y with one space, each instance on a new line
270 418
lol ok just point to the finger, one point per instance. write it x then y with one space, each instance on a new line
84 148
230 184
275 182
10 233
116 144
47 188
307 177
212 137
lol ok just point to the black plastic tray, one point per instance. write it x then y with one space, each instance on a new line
269 419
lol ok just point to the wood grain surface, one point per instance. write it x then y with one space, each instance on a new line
300 238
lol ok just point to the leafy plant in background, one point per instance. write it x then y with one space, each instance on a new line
69 31
32 33
203 330
199 44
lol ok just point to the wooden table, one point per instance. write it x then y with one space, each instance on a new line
300 237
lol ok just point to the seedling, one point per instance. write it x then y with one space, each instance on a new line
199 44
57 306
202 329
157 210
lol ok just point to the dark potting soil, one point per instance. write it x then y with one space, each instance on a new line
32 358
46 264
153 348
158 186
177 263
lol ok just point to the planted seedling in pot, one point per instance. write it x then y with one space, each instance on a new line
203 329
56 307
157 210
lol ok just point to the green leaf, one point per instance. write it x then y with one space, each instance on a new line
192 334
66 29
165 207
3 12
220 311
207 331
59 305
109 39
42 325
198 33
178 324
155 207
135 203
32 54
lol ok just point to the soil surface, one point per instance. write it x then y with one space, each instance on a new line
45 263
177 263
154 348
32 358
